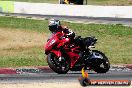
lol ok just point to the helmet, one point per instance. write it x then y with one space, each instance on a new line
54 25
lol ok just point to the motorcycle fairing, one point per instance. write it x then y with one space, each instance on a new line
56 52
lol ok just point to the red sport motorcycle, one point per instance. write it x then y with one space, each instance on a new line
64 54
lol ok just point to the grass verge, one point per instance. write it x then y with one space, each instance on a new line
114 40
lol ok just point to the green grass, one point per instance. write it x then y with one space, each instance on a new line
110 2
90 2
114 40
34 25
23 57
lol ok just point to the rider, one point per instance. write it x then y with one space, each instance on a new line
55 26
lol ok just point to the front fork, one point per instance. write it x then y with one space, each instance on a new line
59 55
86 57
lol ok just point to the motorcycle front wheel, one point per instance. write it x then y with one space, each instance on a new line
102 65
57 66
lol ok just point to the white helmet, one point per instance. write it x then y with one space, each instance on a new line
53 25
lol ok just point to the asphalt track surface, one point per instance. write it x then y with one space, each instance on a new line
70 77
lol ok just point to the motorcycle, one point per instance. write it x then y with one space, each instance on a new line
77 2
64 54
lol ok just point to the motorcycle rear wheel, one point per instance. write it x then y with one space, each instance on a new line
56 66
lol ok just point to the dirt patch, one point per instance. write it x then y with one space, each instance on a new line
16 41
20 39
2 38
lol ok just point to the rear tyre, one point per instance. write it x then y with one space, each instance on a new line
102 65
56 65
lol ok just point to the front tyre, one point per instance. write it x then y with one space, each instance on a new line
57 66
102 64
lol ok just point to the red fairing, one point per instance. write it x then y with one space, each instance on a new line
57 41
73 58
52 42
57 53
